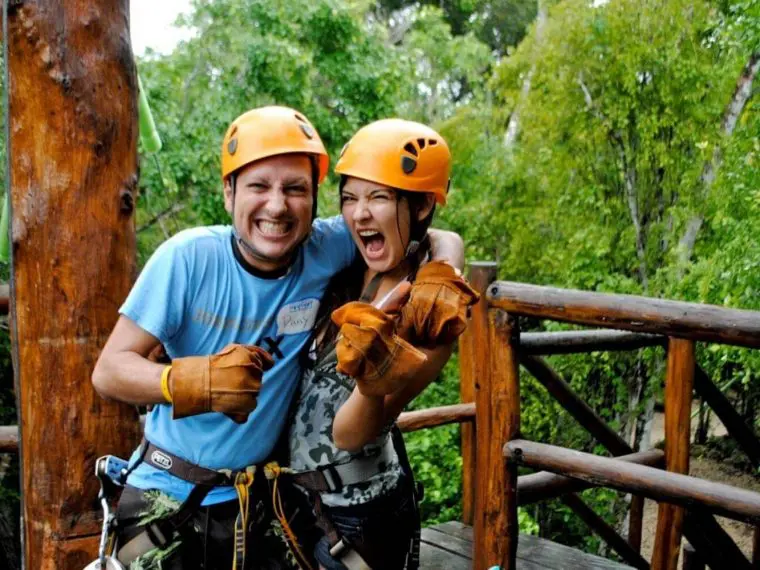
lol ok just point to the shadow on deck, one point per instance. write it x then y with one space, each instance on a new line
449 546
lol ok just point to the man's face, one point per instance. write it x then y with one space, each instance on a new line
272 208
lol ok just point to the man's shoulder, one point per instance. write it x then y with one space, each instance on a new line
209 234
201 239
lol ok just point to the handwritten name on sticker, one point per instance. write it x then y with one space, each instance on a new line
297 317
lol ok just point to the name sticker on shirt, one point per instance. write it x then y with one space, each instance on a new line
297 317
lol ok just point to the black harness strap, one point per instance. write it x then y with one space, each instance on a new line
160 533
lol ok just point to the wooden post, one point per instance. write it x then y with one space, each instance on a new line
480 275
72 178
679 384
504 531
497 419
636 522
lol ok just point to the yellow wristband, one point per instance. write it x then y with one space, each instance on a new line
165 384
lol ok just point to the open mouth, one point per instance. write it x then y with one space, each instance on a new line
374 243
272 229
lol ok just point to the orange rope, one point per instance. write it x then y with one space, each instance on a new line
273 471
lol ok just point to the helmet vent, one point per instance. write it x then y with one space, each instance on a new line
409 147
307 130
232 146
300 117
432 142
408 164
421 143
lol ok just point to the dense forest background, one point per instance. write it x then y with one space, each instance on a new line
602 145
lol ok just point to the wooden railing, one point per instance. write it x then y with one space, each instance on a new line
491 352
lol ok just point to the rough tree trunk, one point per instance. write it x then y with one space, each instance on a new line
73 175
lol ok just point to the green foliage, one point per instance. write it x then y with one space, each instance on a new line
499 24
448 70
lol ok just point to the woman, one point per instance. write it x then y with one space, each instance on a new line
368 364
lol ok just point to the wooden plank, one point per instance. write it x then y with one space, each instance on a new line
456 545
471 369
73 185
538 551
433 417
629 312
679 384
438 550
733 502
434 558
734 423
572 342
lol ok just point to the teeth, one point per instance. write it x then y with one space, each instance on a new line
274 228
368 233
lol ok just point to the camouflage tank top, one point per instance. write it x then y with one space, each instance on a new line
323 391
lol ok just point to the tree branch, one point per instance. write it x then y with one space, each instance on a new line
513 127
742 93
170 211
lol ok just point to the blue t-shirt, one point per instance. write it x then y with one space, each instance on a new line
196 298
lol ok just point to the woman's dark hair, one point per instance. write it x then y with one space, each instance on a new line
347 285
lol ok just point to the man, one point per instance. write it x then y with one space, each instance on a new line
233 306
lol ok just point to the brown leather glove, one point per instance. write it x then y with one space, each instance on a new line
436 313
369 350
228 382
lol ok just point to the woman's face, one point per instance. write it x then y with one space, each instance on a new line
379 222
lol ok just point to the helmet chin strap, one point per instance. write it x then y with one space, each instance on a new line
415 249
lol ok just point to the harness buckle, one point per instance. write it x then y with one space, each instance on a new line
157 535
339 548
332 478
346 552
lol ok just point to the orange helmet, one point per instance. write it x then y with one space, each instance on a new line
400 154
269 131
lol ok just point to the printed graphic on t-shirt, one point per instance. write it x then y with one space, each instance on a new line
297 317
212 320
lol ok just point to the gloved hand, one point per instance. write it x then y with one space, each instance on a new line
436 313
369 350
228 382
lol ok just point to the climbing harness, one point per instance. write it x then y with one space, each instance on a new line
333 478
112 471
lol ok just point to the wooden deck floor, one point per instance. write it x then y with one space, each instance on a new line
448 546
